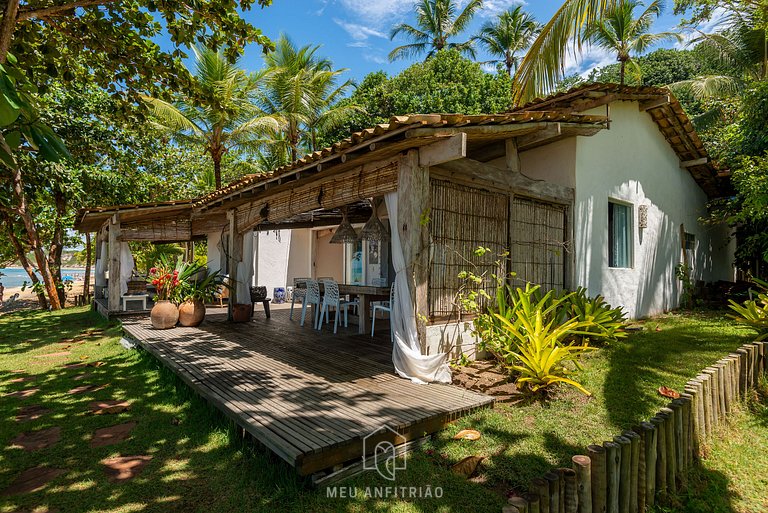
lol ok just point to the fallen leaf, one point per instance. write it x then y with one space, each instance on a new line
467 466
467 434
668 392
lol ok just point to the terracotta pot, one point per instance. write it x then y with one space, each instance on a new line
164 315
191 313
241 312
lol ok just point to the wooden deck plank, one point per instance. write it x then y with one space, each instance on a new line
310 396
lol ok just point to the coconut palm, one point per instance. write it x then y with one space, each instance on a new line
219 113
508 35
620 32
302 89
437 21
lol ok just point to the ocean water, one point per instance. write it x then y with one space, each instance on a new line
12 277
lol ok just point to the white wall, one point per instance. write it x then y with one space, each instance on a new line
633 163
214 255
300 255
272 249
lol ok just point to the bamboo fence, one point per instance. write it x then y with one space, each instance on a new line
641 466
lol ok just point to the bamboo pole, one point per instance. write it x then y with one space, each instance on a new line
583 467
685 420
661 454
693 423
571 500
736 363
725 365
751 360
625 465
715 399
761 356
650 440
599 483
540 488
743 356
613 468
707 396
634 469
553 482
680 466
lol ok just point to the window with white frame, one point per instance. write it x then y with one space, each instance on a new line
619 235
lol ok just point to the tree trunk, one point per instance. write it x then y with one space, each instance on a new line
7 26
57 243
622 65
217 168
34 238
87 283
22 257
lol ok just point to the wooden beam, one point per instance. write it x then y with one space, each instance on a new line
695 162
511 129
505 179
512 157
231 262
654 103
450 148
540 137
414 200
113 294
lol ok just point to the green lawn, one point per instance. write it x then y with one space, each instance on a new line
200 464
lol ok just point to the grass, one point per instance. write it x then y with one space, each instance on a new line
201 464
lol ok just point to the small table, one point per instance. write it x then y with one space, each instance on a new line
141 298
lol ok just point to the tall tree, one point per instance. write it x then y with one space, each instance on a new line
301 89
507 36
437 21
219 113
619 31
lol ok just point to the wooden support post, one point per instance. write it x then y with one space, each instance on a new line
534 503
570 497
761 356
113 294
561 490
582 465
686 407
634 469
682 478
413 205
641 469
661 454
597 457
671 442
613 468
650 441
234 242
553 484
540 489
512 156
706 393
722 366
743 357
625 471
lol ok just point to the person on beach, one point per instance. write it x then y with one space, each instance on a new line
2 290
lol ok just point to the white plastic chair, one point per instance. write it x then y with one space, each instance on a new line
299 292
332 299
312 297
384 306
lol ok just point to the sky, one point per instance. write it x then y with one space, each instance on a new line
354 34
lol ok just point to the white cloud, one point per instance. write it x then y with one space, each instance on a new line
357 31
590 57
494 7
713 24
378 12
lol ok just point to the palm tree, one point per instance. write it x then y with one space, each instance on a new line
511 32
301 88
619 31
219 114
436 22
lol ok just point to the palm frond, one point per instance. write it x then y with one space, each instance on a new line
708 87
170 116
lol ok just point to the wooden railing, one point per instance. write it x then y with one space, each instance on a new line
643 465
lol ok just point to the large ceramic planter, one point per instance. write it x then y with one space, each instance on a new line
164 315
191 313
242 312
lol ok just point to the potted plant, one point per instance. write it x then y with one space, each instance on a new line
165 278
197 290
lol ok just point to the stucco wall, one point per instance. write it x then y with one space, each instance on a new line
555 163
633 163
300 258
272 249
328 258
214 255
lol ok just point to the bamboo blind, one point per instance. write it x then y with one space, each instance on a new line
333 192
538 242
168 229
463 218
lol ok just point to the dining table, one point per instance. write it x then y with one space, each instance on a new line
365 294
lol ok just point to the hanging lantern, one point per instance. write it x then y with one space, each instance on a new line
374 229
345 232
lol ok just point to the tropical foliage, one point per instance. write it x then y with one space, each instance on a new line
437 22
508 36
618 31
753 312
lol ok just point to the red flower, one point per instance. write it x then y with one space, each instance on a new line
154 282
153 270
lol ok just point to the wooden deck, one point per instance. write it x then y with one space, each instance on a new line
311 397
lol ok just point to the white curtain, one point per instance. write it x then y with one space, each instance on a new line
101 267
245 270
126 267
406 350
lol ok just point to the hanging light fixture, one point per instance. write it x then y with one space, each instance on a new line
374 229
345 232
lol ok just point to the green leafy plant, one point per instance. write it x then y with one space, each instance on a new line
754 312
195 289
606 324
540 353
